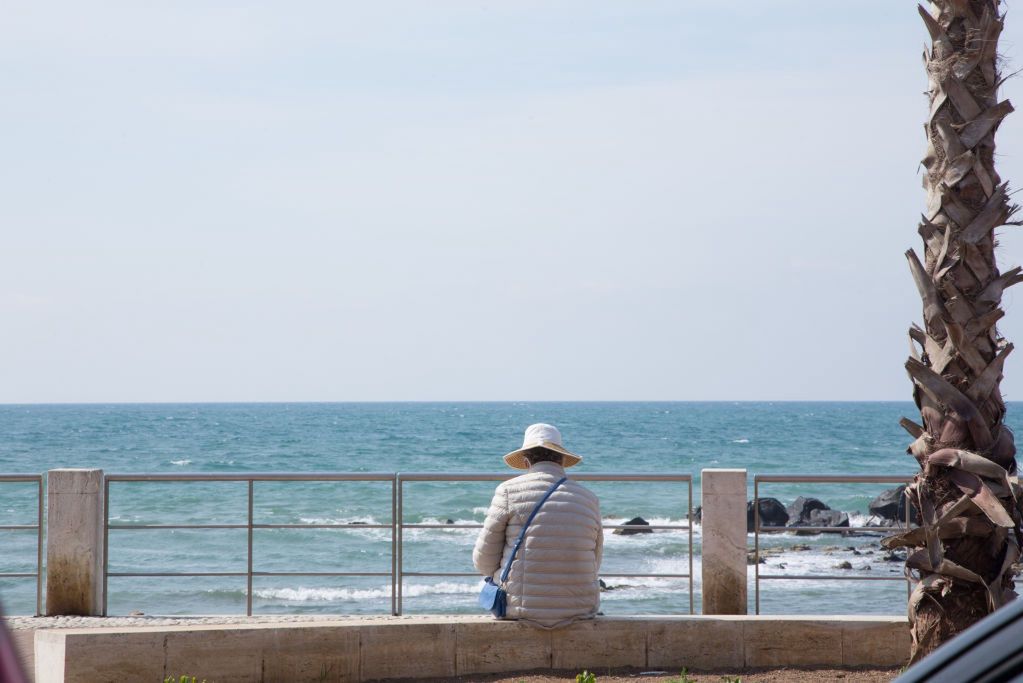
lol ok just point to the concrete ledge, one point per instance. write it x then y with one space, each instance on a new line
24 646
414 647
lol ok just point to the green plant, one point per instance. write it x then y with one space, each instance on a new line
585 677
183 679
683 677
732 679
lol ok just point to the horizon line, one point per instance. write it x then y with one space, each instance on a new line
441 401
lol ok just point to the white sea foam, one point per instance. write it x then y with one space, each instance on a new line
825 562
181 462
658 537
740 440
860 519
462 537
356 594
630 588
363 519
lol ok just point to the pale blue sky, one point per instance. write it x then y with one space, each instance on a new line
446 200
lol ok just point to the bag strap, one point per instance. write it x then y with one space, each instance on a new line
522 534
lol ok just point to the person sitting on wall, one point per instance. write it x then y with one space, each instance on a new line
553 577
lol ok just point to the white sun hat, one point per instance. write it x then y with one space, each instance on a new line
538 435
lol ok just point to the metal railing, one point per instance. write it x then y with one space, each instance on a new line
397 525
37 527
815 479
250 525
433 477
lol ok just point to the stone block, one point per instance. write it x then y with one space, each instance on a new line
408 650
25 649
101 656
723 481
695 643
49 657
74 542
492 647
873 642
445 647
599 644
792 642
723 553
312 653
224 655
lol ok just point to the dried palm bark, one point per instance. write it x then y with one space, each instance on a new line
967 492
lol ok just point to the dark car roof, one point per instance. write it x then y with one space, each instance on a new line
989 651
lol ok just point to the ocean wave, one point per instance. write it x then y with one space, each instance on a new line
632 588
218 592
368 519
356 594
866 561
181 462
447 521
740 440
856 519
655 521
859 519
357 520
658 537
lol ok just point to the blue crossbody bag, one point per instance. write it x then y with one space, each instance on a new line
493 597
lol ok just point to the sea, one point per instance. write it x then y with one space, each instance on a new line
842 573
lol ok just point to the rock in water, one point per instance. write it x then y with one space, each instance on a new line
828 518
772 513
799 511
891 506
630 532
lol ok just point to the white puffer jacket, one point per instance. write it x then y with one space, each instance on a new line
553 579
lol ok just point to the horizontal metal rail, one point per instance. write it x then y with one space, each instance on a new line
816 479
814 577
256 476
352 525
833 478
255 573
502 476
250 526
36 479
397 525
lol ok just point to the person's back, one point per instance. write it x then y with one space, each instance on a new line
553 578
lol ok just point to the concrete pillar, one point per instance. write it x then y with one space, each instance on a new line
724 541
74 542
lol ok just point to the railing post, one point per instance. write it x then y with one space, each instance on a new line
723 557
74 542
399 528
394 545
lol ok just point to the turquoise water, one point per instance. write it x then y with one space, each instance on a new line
798 438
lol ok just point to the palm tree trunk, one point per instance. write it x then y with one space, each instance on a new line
966 492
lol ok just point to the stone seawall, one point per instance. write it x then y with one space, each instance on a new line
352 650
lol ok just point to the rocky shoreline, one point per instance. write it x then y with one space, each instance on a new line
862 556
889 509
